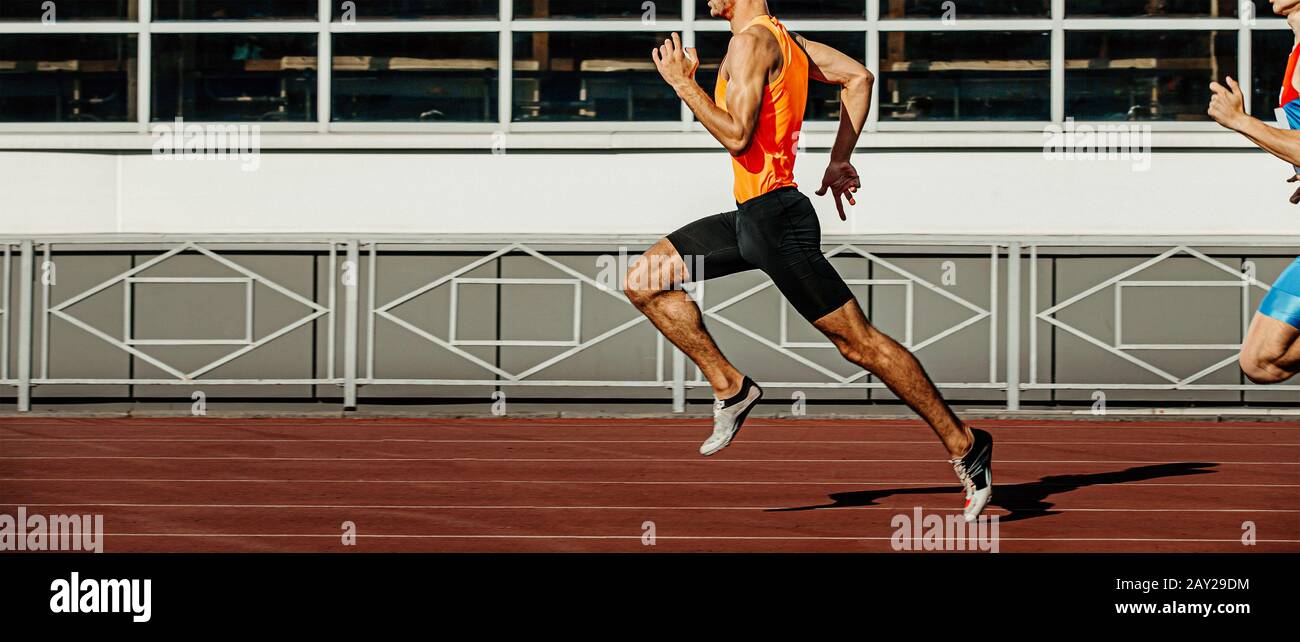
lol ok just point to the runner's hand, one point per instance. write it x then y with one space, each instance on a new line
842 180
675 63
1227 105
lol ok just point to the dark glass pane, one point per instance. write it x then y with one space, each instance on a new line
234 77
935 9
234 9
823 99
625 9
784 9
1264 9
582 76
414 9
1126 8
66 10
965 75
67 77
429 77
1268 54
1144 75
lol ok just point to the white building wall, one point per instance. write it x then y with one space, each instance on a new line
1230 191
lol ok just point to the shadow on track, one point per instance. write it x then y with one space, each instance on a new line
1024 500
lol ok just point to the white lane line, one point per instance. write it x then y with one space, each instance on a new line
926 442
475 424
335 536
625 460
661 508
948 482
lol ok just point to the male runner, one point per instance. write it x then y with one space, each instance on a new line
757 113
1270 353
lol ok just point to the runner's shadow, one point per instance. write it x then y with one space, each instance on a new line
1024 500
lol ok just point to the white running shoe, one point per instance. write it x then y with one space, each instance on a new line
729 414
975 470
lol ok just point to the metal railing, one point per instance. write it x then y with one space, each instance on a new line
974 330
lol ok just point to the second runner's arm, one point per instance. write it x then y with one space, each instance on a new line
1227 108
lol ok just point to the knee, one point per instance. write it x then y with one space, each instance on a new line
636 291
1261 370
639 285
652 275
867 354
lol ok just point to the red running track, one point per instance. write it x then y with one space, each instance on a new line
209 484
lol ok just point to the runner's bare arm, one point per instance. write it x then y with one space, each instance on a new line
749 59
855 82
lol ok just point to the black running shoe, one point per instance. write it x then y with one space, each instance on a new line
975 470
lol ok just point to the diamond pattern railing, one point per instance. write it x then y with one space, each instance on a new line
367 300
1132 353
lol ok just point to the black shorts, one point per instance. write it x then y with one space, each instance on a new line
777 233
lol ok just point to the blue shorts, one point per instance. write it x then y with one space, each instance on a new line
1283 301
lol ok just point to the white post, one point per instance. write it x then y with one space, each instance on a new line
1013 326
350 299
25 328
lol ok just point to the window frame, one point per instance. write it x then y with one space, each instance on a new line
688 24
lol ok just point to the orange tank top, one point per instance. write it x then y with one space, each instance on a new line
1289 92
768 164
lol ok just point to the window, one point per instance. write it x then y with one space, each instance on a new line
1145 75
415 77
917 9
234 77
617 9
584 65
67 77
590 76
67 10
415 9
1163 8
958 75
1268 59
234 9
